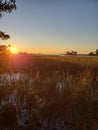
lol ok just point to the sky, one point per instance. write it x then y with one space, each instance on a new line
52 26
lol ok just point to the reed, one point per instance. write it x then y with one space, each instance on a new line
55 90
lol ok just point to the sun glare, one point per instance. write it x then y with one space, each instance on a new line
13 50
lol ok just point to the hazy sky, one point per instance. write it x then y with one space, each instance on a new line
52 26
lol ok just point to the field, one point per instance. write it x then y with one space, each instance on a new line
49 93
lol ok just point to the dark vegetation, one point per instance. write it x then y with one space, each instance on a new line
6 6
71 53
94 53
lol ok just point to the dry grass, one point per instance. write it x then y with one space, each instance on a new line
56 87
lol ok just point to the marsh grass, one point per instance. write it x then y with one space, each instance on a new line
53 90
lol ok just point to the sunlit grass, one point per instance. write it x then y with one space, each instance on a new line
54 88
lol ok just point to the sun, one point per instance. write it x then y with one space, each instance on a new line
13 50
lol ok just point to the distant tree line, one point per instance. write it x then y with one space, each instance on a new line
94 53
75 53
71 53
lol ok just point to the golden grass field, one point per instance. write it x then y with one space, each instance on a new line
44 91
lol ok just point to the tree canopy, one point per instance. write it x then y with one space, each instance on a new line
4 49
7 6
71 53
97 52
4 36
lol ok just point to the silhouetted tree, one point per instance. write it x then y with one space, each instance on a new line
71 53
91 54
94 53
74 52
97 52
4 49
4 36
68 53
4 58
6 6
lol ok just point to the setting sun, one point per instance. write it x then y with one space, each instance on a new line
13 50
